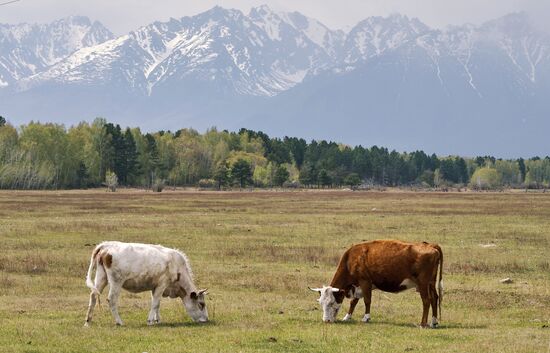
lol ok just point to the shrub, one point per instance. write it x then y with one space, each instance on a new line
427 178
207 183
158 185
292 184
111 181
353 180
485 179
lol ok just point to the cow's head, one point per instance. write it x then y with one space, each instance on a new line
330 299
196 306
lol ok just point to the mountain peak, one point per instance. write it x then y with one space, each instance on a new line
218 12
26 49
517 23
264 8
78 20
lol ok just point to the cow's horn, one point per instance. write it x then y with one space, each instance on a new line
314 289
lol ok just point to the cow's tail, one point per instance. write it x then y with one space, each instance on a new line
440 279
93 265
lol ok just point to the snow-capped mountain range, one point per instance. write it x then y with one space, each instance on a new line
392 81
27 50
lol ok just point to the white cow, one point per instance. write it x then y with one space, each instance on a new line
142 267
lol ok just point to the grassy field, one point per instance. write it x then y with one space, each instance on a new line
257 252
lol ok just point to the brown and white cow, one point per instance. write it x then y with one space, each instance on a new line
143 267
388 265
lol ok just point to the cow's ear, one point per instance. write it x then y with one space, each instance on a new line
193 295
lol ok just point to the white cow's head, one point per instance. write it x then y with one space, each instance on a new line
196 306
331 301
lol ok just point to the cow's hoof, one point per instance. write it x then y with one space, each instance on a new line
86 324
434 325
119 324
150 323
347 318
366 318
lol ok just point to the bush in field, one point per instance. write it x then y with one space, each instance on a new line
353 180
158 185
427 178
111 181
262 175
438 179
208 183
485 179
292 184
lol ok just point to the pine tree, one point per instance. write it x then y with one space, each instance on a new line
242 172
522 169
353 180
281 175
461 170
447 170
323 178
153 158
117 157
221 175
130 155
81 176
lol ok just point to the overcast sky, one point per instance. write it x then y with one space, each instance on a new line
121 16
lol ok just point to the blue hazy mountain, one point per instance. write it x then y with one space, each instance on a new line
391 81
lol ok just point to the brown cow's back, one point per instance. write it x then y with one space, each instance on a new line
388 263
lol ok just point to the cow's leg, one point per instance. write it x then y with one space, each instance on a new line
352 305
366 287
434 300
157 314
424 294
114 293
100 283
156 296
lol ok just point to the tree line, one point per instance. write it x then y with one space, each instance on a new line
49 156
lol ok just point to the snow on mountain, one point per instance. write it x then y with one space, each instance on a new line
263 53
523 44
260 54
376 35
29 49
226 67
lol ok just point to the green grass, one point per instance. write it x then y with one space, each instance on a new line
257 252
